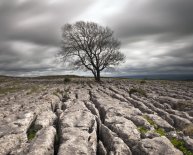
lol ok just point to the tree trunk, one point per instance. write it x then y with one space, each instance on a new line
98 77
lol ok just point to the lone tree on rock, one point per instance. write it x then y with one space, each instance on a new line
87 45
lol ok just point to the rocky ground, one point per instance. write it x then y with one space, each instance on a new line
46 116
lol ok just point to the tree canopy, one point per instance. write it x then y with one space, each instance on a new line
87 45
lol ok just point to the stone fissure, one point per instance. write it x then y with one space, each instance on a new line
103 130
57 136
32 130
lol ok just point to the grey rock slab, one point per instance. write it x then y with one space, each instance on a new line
140 105
188 142
92 108
80 118
119 97
164 115
20 125
126 112
74 105
103 101
124 128
172 134
52 101
83 94
180 122
101 149
44 142
150 134
113 143
25 121
9 142
160 122
140 121
156 146
78 130
76 141
108 106
45 119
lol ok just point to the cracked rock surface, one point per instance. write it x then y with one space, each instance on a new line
44 116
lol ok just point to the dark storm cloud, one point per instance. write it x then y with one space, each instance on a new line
171 18
30 33
164 25
156 36
17 56
186 52
37 21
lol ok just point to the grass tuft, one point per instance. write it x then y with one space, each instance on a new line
160 131
33 89
137 90
67 80
181 146
142 129
188 130
151 122
31 133
143 82
183 105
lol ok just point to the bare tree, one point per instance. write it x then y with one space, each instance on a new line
90 46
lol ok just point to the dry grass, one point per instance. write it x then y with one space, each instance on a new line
188 130
138 91
184 105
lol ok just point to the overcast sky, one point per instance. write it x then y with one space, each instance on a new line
156 35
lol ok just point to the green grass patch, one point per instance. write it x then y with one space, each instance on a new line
160 131
142 129
181 146
31 133
5 90
33 89
2 80
151 122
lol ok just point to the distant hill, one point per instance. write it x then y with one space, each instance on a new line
161 77
184 77
42 77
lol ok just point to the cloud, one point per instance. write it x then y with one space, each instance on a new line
37 21
172 19
156 36
31 32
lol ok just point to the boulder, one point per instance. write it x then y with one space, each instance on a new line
45 119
